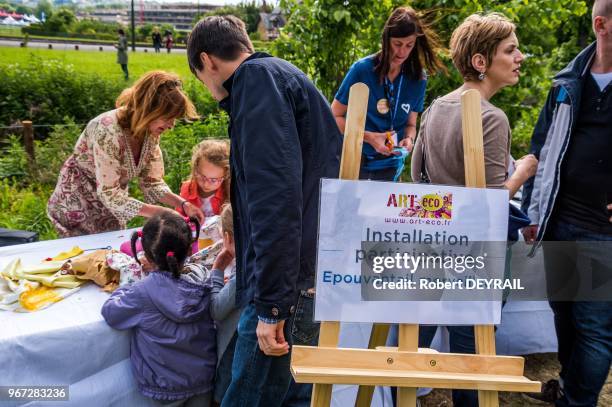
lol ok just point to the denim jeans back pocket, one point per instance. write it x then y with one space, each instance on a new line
304 330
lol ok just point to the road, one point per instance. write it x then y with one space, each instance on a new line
62 46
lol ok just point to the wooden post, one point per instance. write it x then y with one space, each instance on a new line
28 140
349 169
408 340
475 177
473 150
378 337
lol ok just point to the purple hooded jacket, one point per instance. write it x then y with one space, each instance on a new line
172 348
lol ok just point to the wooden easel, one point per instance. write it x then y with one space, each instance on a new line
407 366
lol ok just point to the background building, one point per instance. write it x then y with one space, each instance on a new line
180 15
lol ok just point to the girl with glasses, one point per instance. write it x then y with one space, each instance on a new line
208 186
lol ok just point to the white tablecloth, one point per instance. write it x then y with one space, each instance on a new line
70 344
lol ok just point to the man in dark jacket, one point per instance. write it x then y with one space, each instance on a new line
283 141
570 200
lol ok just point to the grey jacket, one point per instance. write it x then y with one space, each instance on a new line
122 46
551 138
223 309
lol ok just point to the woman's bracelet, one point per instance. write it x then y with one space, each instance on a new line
183 206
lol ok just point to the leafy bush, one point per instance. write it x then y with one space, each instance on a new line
54 150
13 161
48 91
25 208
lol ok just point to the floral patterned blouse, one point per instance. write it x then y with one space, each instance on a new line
91 195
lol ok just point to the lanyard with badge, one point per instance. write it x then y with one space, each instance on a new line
393 102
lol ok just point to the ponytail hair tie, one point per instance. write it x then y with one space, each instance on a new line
139 233
170 254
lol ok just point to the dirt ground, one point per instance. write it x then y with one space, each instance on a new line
541 366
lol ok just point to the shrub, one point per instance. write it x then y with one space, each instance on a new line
48 91
25 209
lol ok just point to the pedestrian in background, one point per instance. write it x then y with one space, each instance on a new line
169 41
157 40
122 56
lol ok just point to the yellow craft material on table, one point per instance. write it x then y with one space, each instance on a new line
75 251
33 288
35 299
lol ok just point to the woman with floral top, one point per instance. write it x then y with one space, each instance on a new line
91 195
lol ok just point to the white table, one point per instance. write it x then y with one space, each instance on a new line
69 343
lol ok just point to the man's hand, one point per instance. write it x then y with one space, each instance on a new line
271 338
610 209
530 233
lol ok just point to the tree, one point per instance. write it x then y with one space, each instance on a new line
324 37
247 12
44 6
21 9
7 7
60 21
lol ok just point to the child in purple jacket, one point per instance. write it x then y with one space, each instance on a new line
173 343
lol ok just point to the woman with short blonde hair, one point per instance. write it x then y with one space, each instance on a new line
91 195
484 49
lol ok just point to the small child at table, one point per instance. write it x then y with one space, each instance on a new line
223 304
208 186
172 345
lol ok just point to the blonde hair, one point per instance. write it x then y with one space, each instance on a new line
227 220
155 95
478 34
215 152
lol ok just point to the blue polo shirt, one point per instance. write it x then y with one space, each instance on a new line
380 113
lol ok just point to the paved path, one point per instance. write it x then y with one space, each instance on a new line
63 46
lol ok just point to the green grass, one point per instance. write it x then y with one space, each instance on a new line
102 63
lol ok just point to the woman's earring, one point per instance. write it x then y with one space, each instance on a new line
481 76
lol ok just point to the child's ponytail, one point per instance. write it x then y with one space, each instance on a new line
173 264
133 241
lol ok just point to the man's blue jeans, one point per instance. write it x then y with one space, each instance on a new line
260 380
584 329
304 331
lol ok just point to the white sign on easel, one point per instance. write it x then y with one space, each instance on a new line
356 211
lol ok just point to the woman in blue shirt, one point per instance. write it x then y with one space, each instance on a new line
396 79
